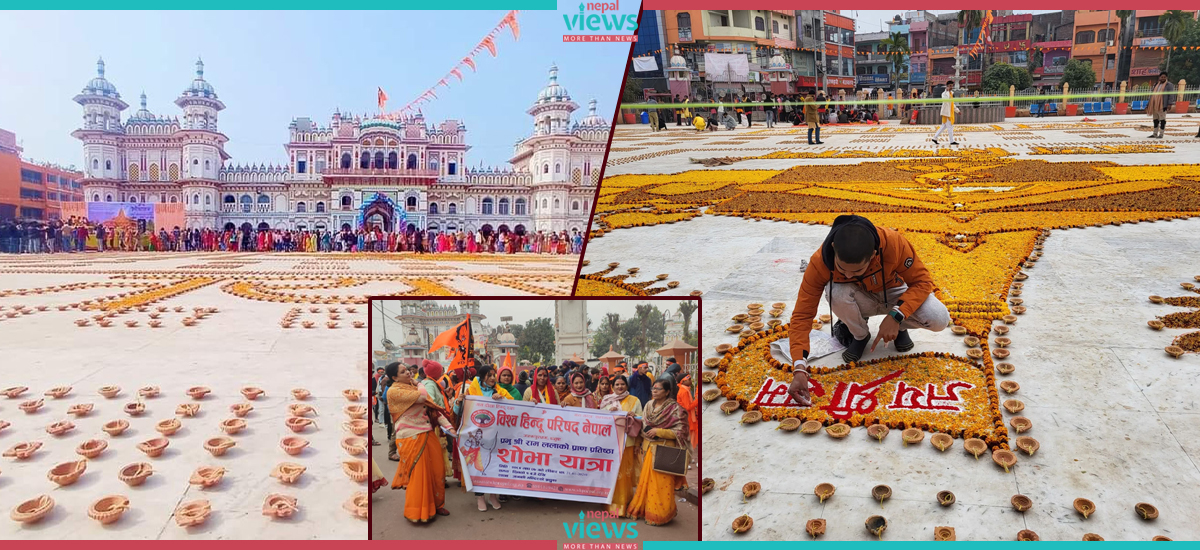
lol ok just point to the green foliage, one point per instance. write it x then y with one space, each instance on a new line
609 334
1185 63
895 47
633 89
535 340
1079 75
687 308
998 77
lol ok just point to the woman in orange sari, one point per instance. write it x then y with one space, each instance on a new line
627 472
685 399
421 472
663 425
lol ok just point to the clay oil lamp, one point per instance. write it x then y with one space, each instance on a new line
22 451
1092 537
357 505
187 409
789 424
1019 310
280 506
1161 538
810 427
1004 458
1187 286
815 527
155 324
135 409
31 406
877 431
943 534
14 391
135 474
971 341
742 524
708 378
729 406
355 445
287 472
1156 299
722 348
712 362
1021 503
298 424
359 324
251 393
734 329
219 445
1027 444
1001 329
356 411
178 309
58 392
198 392
131 323
1025 535
1146 510
958 330
60 427
80 409
1003 341
941 441
1085 507
1009 386
975 446
945 498
104 324
192 513
91 448
82 322
300 394
359 426
1010 319
154 447
233 425
115 427
300 409
775 312
1005 368
754 306
331 324
838 431
749 490
109 392
4 424
1020 424
1014 406
774 323
751 417
355 310
1001 353
817 325
308 324
207 476
1020 276
67 473
154 315
241 409
108 509
168 427
876 525
975 353
32 510
757 326
707 484
1174 351
293 445
912 435
1156 324
881 493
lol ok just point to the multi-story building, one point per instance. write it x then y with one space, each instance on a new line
839 53
1096 33
972 65
424 320
30 190
872 67
1053 35
752 37
356 171
808 61
942 40
652 42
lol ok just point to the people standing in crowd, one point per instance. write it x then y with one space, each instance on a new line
664 424
421 472
621 400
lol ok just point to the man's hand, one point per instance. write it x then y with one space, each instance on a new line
496 395
888 330
798 390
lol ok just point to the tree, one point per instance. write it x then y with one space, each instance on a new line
633 89
1186 63
535 341
687 308
608 336
998 77
1174 23
1079 75
895 48
643 333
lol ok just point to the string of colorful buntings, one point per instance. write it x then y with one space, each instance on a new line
488 43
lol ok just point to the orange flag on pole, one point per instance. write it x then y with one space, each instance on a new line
460 341
508 362
382 99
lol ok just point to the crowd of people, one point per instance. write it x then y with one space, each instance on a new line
74 235
813 110
413 401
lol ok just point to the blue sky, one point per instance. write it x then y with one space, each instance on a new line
270 67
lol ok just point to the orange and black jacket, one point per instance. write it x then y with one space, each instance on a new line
895 264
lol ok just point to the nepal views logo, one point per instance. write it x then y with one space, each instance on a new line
601 21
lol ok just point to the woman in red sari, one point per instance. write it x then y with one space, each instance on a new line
421 472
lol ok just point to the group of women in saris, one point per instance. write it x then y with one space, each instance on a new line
640 492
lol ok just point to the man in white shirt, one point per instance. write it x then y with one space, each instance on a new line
949 109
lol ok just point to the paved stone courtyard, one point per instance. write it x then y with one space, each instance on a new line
237 339
1086 227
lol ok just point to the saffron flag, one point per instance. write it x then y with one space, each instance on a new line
457 73
508 362
470 62
511 20
382 99
460 341
490 45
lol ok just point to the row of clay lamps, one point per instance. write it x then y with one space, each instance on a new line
110 508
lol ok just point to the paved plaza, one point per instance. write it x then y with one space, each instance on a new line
273 321
1066 226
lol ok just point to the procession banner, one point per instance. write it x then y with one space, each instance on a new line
537 450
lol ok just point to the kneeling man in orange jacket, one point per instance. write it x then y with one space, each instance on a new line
863 271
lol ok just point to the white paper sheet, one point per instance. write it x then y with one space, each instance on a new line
820 344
